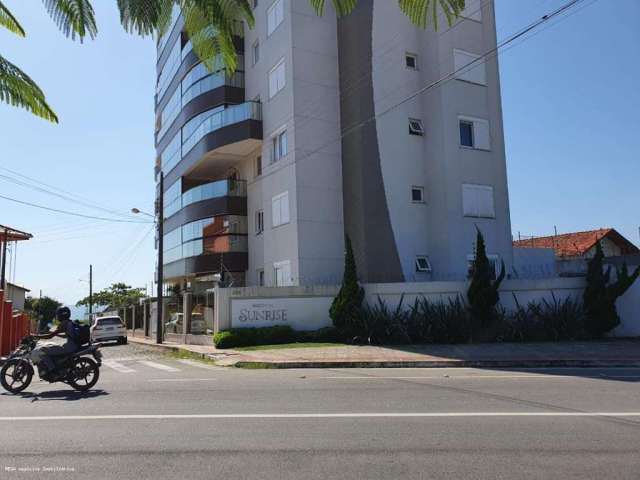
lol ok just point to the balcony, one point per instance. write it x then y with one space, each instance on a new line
207 191
212 120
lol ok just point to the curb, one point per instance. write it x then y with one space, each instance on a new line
522 363
165 347
442 364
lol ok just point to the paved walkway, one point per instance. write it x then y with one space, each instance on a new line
569 354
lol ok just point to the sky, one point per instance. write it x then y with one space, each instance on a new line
570 99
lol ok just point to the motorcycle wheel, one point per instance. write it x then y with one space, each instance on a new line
16 375
84 374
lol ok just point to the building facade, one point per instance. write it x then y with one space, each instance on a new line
319 133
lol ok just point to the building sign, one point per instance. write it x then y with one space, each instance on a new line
300 313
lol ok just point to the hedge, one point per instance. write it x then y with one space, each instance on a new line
249 337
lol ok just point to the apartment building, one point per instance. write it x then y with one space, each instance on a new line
320 132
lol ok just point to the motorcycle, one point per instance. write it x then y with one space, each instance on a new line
77 369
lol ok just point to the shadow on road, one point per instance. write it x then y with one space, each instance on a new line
64 395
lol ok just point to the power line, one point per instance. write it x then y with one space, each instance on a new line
66 212
57 192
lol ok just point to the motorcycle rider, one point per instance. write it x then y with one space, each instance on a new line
42 354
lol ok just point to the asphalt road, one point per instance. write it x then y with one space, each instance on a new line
154 417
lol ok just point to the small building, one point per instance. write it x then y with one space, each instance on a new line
17 295
572 250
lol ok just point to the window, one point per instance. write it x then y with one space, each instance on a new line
417 194
276 79
473 73
423 264
466 133
477 201
280 209
411 61
259 220
275 15
259 166
256 51
415 127
282 273
255 3
474 133
279 146
261 278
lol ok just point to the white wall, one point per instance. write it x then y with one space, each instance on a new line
319 299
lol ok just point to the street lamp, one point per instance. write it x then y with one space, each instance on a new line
159 218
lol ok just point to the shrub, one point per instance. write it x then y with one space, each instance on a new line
346 307
483 291
379 324
323 335
440 322
249 337
600 296
561 319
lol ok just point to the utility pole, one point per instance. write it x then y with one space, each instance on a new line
90 290
160 270
3 268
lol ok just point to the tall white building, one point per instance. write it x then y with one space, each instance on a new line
319 134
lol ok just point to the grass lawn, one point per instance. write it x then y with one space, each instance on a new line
289 345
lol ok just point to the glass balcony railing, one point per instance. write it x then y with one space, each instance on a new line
220 188
212 82
207 246
218 119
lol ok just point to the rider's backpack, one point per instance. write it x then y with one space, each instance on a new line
81 333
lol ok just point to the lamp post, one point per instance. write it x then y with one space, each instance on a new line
159 218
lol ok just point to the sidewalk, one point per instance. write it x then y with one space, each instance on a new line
610 353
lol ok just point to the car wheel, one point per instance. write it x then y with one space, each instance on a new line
123 341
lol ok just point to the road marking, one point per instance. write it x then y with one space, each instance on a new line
118 366
181 380
195 363
451 377
443 377
159 366
223 416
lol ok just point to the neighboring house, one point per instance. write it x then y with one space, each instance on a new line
267 169
572 250
17 294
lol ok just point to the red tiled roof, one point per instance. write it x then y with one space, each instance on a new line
578 243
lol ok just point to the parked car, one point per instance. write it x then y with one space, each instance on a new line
174 325
109 328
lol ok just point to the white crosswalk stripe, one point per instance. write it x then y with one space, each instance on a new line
159 366
195 363
117 366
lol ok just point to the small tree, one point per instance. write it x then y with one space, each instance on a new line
346 307
118 295
43 309
483 291
600 296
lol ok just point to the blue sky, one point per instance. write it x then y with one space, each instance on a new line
570 102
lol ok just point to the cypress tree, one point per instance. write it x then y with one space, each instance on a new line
600 296
346 307
483 293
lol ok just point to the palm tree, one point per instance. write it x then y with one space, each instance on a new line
75 18
209 24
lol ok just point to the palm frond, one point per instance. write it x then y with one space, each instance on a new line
146 17
19 90
211 25
73 17
419 11
8 21
342 7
